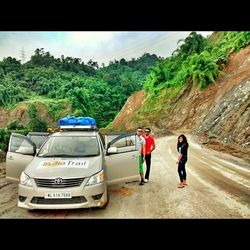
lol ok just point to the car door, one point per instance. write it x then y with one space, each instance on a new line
122 165
21 151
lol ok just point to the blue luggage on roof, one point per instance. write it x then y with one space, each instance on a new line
77 121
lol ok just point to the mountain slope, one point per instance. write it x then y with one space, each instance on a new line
219 114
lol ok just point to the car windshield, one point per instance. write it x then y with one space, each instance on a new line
70 146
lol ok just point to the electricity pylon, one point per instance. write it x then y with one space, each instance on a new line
22 55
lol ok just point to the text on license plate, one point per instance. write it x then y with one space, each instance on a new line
58 195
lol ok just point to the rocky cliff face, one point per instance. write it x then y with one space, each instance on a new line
219 115
229 118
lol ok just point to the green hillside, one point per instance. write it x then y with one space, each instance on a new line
197 60
91 90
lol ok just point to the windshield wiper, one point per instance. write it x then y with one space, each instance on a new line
56 155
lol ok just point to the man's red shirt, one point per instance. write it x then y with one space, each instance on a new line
149 142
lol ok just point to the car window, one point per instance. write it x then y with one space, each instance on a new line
16 144
70 146
112 135
19 145
125 142
38 140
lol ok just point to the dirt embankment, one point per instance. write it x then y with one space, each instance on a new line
21 113
124 120
219 115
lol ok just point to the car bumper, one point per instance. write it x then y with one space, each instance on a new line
82 197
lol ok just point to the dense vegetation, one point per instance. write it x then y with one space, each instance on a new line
197 60
91 91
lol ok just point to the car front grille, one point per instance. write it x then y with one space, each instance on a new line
73 200
65 183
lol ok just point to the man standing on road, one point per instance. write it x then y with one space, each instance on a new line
140 145
150 146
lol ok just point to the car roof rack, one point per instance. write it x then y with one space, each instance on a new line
73 123
79 127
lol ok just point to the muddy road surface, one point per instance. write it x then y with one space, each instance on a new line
218 187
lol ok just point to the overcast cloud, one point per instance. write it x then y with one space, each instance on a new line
102 47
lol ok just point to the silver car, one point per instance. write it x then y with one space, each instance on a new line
72 169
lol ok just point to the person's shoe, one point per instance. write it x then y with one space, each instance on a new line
181 186
141 182
145 180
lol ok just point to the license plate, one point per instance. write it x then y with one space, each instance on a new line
58 195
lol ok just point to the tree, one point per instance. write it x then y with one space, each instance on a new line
10 64
194 43
93 64
37 124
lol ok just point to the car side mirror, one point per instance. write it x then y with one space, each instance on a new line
26 151
112 150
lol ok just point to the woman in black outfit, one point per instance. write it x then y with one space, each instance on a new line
182 148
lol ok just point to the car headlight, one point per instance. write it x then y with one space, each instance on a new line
95 179
25 180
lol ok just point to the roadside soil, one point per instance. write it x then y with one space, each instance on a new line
218 187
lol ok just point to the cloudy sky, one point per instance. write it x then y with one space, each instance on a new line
98 46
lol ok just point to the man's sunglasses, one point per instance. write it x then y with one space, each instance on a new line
147 131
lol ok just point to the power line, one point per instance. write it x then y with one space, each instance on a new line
144 46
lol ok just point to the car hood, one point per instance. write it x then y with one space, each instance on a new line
63 167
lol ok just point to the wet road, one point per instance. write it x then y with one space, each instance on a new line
218 187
